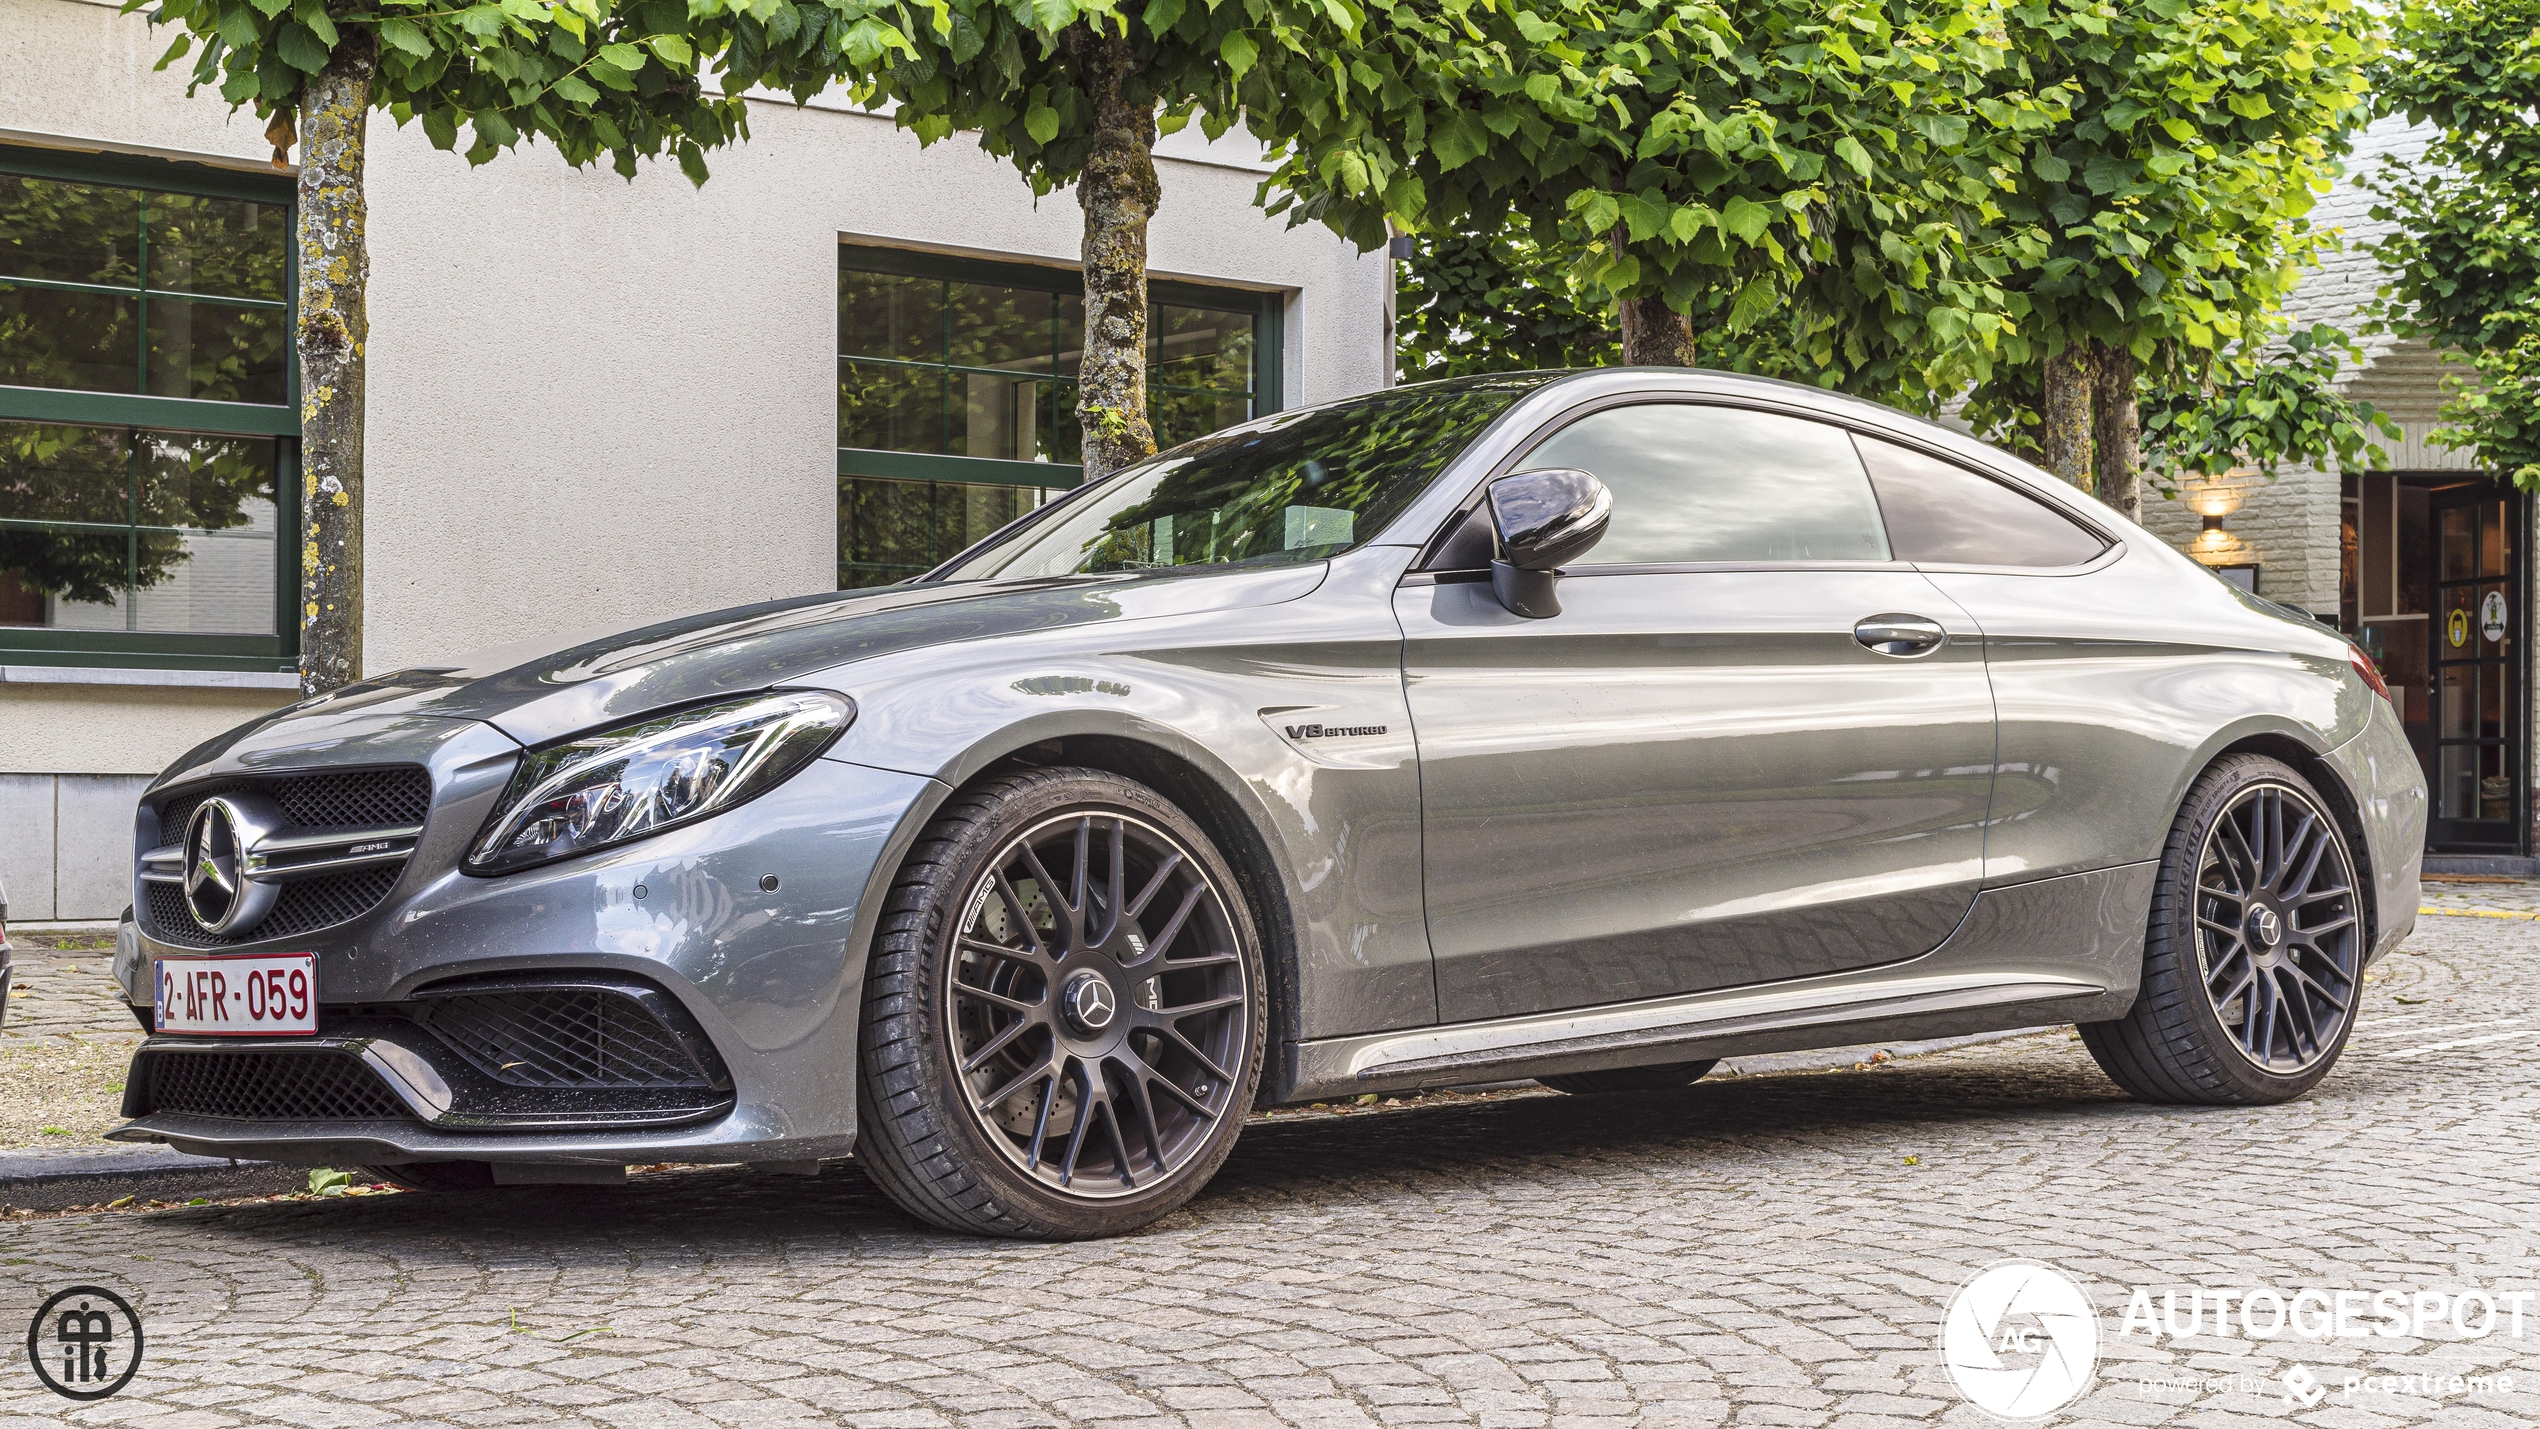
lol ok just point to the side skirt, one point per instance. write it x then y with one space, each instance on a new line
2036 954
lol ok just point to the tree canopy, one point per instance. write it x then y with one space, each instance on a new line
2465 261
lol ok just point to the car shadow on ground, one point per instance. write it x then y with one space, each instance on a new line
1381 1160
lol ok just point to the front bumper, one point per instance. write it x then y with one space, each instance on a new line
754 923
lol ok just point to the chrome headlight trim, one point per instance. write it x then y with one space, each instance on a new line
665 770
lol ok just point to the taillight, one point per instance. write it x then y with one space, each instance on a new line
2371 676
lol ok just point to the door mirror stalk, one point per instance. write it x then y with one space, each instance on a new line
1544 520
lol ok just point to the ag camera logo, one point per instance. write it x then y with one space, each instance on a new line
2021 1341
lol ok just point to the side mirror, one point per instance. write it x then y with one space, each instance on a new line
1545 520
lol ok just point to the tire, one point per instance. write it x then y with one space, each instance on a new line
1110 1060
1666 1078
434 1175
2253 959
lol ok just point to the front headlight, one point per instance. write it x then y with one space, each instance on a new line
614 785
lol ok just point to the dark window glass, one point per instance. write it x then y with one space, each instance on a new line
1940 513
1298 487
86 268
891 530
108 528
980 369
1695 483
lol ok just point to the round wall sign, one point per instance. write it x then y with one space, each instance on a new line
2456 629
2491 616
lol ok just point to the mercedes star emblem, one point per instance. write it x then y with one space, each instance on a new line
217 891
1090 1002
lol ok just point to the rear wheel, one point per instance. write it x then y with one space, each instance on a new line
1063 1021
1664 1078
2254 956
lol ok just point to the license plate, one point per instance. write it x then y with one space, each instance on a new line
255 995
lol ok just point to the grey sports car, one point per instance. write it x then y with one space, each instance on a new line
1584 727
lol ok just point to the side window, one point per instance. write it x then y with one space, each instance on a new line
1943 514
1696 483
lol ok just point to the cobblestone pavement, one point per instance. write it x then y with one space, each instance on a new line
1766 1250
63 1049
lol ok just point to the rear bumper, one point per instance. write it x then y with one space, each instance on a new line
768 977
2390 799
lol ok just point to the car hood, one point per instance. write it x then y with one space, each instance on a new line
538 690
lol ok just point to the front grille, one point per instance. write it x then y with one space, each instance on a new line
353 799
573 1038
304 905
394 797
269 1086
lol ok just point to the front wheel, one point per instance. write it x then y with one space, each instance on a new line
1063 1022
2253 961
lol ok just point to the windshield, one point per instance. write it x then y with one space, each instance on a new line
1299 487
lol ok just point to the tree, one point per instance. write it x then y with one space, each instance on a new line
1730 160
2158 226
2465 261
1070 92
593 77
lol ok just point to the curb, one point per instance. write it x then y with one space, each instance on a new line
2478 913
43 1180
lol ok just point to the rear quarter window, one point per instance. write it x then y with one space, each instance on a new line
1940 513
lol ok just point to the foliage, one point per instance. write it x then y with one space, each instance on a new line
1732 157
2167 213
2465 261
2264 411
594 77
167 484
1501 301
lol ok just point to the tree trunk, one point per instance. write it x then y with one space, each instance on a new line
2065 435
2116 458
1655 335
1119 194
334 330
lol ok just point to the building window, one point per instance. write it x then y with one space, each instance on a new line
957 394
147 452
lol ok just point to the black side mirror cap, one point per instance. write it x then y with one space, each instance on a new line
1545 519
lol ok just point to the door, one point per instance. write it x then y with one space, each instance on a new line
2475 705
1700 773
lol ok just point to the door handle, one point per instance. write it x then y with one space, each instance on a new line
1904 636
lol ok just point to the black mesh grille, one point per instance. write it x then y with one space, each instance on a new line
270 1086
564 1038
355 799
395 797
303 906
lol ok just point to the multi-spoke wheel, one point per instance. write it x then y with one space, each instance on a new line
2255 951
1063 1020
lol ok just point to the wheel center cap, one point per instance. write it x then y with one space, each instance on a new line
1090 1002
2266 926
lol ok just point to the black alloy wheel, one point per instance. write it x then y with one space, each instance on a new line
2253 961
2277 932
1098 1004
1065 1016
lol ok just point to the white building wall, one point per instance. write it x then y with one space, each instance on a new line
596 402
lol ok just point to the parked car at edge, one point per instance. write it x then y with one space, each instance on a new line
1584 727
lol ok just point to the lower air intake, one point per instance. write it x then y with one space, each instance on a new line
268 1086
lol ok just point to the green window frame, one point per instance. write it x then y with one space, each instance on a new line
961 492
140 416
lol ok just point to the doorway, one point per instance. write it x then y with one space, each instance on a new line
2440 595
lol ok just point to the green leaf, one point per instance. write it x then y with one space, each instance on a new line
1041 122
492 128
405 35
238 27
1460 140
1746 218
626 57
2050 168
1239 52
296 47
312 13
1849 150
271 8
573 89
673 50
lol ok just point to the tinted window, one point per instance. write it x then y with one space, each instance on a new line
1297 487
1942 513
1696 483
